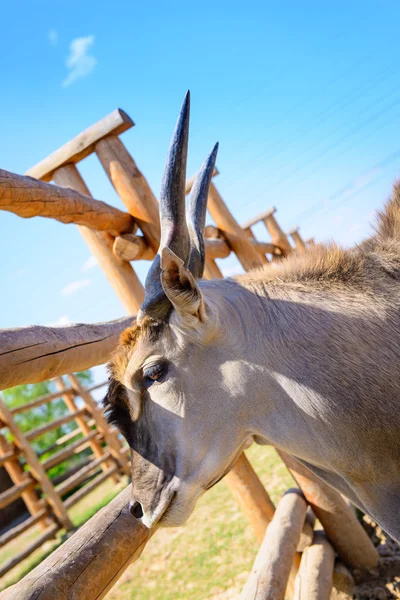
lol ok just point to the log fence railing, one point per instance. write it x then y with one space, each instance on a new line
89 563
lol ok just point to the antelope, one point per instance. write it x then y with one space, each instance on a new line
303 355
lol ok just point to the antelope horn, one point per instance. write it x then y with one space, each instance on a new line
185 239
174 232
197 214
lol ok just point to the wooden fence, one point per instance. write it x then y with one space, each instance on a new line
87 565
48 500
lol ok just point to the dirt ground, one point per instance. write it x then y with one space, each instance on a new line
384 583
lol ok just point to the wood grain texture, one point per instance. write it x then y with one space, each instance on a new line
269 577
28 197
337 518
86 566
33 354
315 577
118 272
82 145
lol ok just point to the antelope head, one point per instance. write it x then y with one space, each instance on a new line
170 389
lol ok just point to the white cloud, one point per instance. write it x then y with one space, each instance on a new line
63 320
75 286
89 264
79 62
53 37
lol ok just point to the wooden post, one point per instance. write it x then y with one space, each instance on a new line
36 468
251 495
314 580
131 186
119 272
297 239
234 234
270 574
88 564
252 237
110 437
337 518
278 237
97 450
18 476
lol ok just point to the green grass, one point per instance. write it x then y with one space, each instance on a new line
209 558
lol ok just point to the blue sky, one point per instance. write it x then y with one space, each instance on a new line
304 99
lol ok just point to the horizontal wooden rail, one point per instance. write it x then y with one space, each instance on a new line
18 529
97 386
15 492
89 562
35 433
32 354
28 197
77 478
65 453
39 401
82 145
9 456
48 533
89 487
260 217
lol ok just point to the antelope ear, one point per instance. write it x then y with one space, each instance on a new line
181 289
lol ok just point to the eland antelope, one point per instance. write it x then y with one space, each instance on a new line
303 355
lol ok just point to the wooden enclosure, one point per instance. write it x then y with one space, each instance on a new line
87 565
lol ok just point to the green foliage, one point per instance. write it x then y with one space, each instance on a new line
35 417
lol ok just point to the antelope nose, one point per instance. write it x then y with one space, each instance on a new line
136 509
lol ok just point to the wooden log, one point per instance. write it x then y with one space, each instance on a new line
32 354
337 518
36 468
232 232
343 583
297 239
97 386
11 534
80 476
90 486
310 242
251 495
270 574
314 580
83 424
212 232
88 563
253 242
35 433
15 492
307 534
8 456
28 197
278 237
131 186
266 248
132 247
211 270
119 272
75 448
190 182
49 533
260 217
17 476
37 402
82 145
110 437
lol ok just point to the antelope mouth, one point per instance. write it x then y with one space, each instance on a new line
161 512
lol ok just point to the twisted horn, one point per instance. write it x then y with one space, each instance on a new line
184 238
196 217
174 232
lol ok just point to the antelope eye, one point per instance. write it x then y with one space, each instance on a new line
154 373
